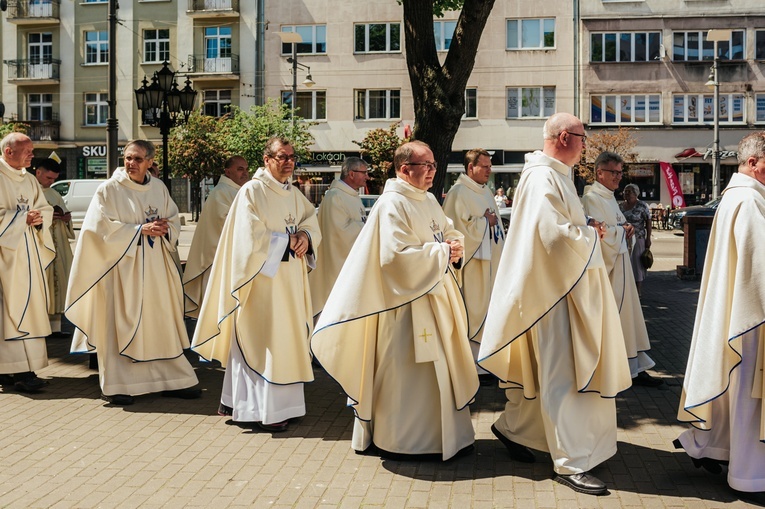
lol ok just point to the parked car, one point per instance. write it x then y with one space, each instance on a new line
676 216
368 200
504 215
77 195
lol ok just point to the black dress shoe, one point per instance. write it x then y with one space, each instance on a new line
752 497
118 399
225 411
6 379
28 382
517 451
274 428
486 379
646 380
92 361
583 483
710 465
187 393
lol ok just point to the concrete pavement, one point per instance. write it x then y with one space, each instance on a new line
67 448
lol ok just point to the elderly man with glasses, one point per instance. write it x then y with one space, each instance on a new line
552 332
394 331
341 217
256 315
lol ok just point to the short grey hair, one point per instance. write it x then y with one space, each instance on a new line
632 187
350 164
558 123
12 140
752 145
606 158
146 145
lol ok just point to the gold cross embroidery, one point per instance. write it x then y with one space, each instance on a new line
425 335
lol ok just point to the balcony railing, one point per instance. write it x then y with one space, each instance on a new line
34 69
199 64
30 9
41 130
213 5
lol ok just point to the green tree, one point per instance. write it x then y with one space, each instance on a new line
439 90
13 127
377 149
618 140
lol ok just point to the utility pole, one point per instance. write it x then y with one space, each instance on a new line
112 123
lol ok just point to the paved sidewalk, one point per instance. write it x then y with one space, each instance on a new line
67 448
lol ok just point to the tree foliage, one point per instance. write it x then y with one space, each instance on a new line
195 149
13 127
377 149
618 140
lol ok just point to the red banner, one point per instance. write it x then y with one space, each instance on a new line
673 184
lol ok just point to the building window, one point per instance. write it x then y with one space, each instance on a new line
699 109
530 102
216 102
759 45
444 31
314 39
625 46
310 105
156 45
96 47
40 48
218 42
759 101
531 33
694 46
95 1
377 37
471 103
625 109
39 107
378 104
96 109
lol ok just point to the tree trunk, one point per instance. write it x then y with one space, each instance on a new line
439 91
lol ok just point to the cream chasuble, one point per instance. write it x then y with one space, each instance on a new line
268 314
465 205
341 217
394 331
731 305
58 271
125 296
599 203
25 253
206 236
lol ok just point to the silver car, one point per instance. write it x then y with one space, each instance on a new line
77 195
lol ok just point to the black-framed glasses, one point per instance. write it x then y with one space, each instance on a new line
284 158
583 136
360 171
430 164
616 173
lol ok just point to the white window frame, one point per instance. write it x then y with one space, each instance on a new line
221 38
219 100
314 39
316 98
471 91
514 97
99 102
43 47
702 34
626 104
101 46
759 51
703 104
392 96
618 43
444 32
43 103
388 46
160 45
520 22
759 108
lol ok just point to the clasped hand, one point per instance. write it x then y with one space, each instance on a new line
34 218
299 243
156 228
456 250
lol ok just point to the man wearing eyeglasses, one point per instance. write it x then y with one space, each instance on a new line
552 330
207 234
470 204
341 217
599 203
256 316
394 331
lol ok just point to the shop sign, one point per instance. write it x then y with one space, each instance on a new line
640 170
329 158
708 153
98 150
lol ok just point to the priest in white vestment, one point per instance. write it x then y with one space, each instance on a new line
207 233
256 316
62 232
723 386
341 217
599 203
471 206
394 330
125 296
552 333
26 250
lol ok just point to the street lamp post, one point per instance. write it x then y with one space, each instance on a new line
716 36
163 105
295 38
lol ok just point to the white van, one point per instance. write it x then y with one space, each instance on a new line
77 195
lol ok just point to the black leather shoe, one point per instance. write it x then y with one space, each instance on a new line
225 411
710 465
187 393
583 483
646 380
6 379
486 380
274 428
92 361
517 451
28 382
752 497
118 399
